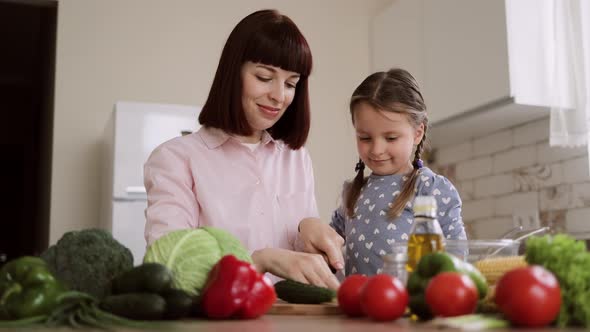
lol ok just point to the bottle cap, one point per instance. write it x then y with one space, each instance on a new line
425 206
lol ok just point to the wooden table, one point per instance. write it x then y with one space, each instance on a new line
271 323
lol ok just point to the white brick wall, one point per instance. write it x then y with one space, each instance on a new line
506 205
494 185
577 221
532 132
478 209
492 228
555 198
516 170
549 154
454 153
474 168
515 159
576 170
487 145
580 195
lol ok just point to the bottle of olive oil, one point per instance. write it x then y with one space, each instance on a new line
426 235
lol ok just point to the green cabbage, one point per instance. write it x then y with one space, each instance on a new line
191 253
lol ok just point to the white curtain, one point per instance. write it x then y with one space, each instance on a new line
567 36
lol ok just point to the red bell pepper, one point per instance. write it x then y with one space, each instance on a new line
235 289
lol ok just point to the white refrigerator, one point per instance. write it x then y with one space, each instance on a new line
133 131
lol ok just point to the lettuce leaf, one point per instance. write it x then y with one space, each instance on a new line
569 260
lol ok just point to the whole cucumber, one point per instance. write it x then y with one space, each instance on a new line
145 278
139 306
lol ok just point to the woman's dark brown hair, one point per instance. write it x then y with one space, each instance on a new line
270 38
393 91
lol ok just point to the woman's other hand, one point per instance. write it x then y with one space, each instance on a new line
299 266
319 238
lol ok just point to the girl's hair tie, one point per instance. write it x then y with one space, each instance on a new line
360 166
418 163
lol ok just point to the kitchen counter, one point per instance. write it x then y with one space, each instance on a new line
271 323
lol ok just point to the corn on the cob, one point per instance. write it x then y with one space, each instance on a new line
494 268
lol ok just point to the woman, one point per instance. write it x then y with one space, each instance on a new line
246 170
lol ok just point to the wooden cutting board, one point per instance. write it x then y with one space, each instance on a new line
323 309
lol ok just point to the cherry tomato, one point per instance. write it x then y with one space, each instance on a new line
529 296
451 294
384 297
349 294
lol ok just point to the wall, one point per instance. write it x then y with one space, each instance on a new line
167 52
516 171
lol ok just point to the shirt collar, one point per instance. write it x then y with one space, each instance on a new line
214 138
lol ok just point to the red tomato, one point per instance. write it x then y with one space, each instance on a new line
349 294
451 294
529 296
384 298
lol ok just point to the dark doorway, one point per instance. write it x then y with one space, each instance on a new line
27 61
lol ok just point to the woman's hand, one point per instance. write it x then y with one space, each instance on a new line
319 238
298 266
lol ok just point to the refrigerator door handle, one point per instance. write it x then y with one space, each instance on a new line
135 190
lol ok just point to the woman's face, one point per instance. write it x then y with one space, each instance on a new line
267 91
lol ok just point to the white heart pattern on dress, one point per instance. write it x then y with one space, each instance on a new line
376 231
361 237
391 226
366 259
356 254
382 213
376 188
409 220
442 213
451 227
390 241
353 230
394 183
367 221
436 192
367 201
350 245
404 236
379 270
382 195
353 270
427 184
446 200
424 178
369 245
371 207
359 217
382 252
395 193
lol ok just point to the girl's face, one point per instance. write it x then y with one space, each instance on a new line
385 140
267 91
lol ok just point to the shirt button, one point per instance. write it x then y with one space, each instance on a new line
257 181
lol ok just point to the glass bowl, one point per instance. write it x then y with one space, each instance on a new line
476 250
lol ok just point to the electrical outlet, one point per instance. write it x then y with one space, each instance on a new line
528 219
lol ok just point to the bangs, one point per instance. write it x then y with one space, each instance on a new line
282 45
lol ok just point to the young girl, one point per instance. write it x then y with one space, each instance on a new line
389 115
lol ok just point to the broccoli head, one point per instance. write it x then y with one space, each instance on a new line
88 260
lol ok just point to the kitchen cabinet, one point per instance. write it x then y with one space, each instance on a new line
479 63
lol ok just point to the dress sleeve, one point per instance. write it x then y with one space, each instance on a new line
172 204
449 208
